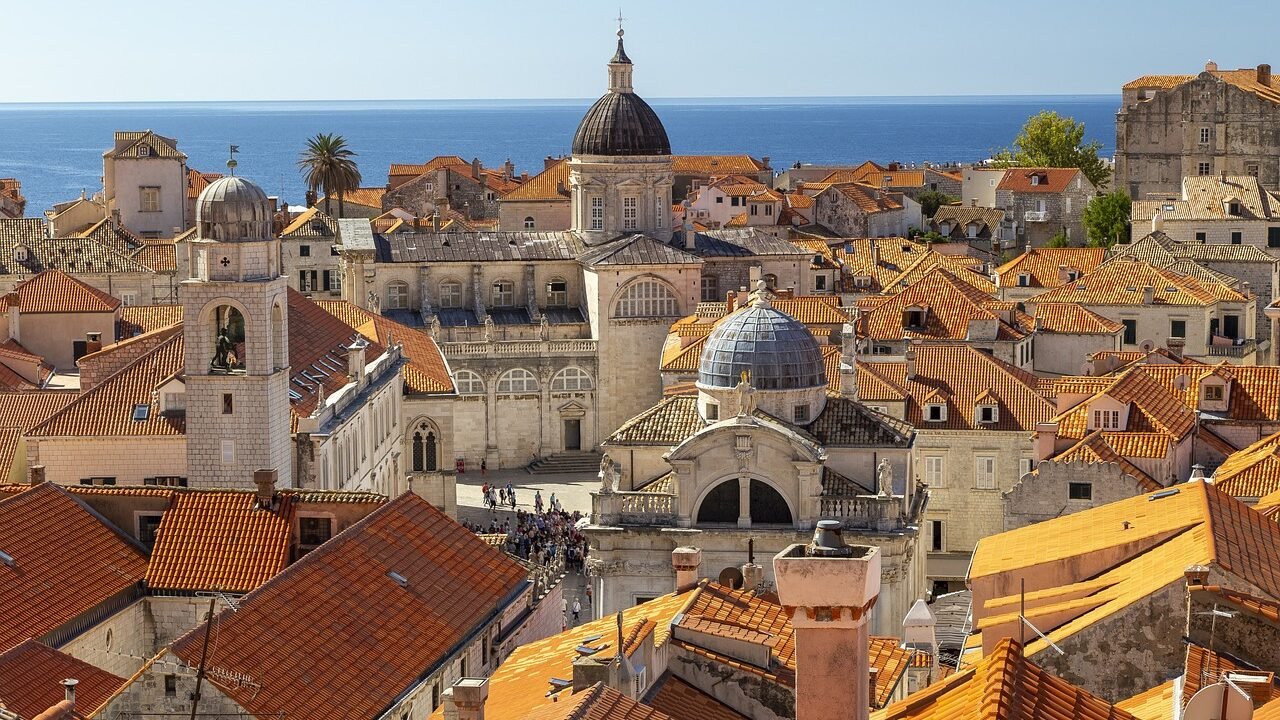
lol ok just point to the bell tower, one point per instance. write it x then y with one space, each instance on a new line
236 331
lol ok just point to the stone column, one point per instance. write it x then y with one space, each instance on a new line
477 292
424 292
491 376
744 502
531 293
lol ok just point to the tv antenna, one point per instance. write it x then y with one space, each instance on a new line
1022 618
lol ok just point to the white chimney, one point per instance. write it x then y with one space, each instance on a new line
466 699
355 360
685 561
69 689
919 630
1157 222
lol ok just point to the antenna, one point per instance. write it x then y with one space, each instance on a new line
1220 701
1022 616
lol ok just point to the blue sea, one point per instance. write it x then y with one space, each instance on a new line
56 149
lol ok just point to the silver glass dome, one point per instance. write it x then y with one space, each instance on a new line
233 208
777 351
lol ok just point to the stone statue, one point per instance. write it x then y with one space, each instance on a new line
488 328
608 474
884 478
222 351
746 396
543 326
435 327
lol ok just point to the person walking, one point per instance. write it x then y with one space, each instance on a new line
577 610
537 501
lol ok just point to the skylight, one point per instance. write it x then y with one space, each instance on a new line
141 412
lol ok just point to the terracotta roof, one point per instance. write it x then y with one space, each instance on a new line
1253 472
1264 608
1121 282
66 561
31 679
129 142
799 201
599 702
25 410
1154 704
220 541
877 177
959 374
868 199
683 701
160 257
1244 78
1207 197
310 223
1269 506
198 181
716 165
54 291
961 215
964 268
366 196
426 370
669 422
1072 319
552 184
1044 266
1002 686
1152 408
435 163
1255 389
139 319
1051 180
949 305
1096 448
344 594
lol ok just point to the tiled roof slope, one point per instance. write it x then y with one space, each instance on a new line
599 702
220 541
1054 180
31 679
310 223
683 701
716 165
158 256
1003 686
366 196
1044 265
949 305
426 371
435 163
1252 472
1207 197
67 560
1152 408
1154 704
342 595
552 184
54 291
1095 448
129 141
1072 319
1243 78
139 319
1121 282
25 410
198 181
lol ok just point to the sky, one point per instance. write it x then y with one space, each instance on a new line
154 50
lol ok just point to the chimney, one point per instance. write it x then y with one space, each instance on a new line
828 589
1176 346
1264 74
548 161
1046 440
1197 473
875 253
36 475
69 690
1148 294
265 482
475 168
690 237
849 361
753 276
435 220
752 575
685 561
1211 66
1157 222
910 356
11 300
92 342
508 169
1224 177
560 190
465 700
1196 575
730 302
919 630
1244 288
355 360
417 225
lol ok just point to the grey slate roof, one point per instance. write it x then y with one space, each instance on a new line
738 242
356 234
846 423
72 255
476 246
637 250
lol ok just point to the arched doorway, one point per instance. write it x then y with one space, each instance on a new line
426 449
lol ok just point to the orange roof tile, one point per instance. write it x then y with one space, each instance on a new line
1253 472
1072 319
551 184
708 165
139 319
1002 686
66 561
161 257
949 305
1044 266
683 701
877 177
311 223
435 163
1095 448
1051 180
25 410
220 541
1154 704
31 679
1121 282
426 371
599 702
366 196
448 584
53 291
198 181
868 199
1243 78
1152 407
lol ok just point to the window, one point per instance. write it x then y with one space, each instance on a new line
711 288
734 201
1236 237
314 531
1024 280
1203 168
228 452
800 414
333 251
144 151
755 208
936 543
988 413
1251 169
128 297
462 666
1024 466
719 199
98 481
1106 420
1130 331
915 318
1204 136
304 251
306 280
557 294
141 412
450 294
647 298
165 481
332 280
1201 237
630 213
175 402
820 282
768 210
1035 179
504 294
1178 328
1079 491
518 380
933 471
1213 392
984 472
149 199
1233 208
170 685
397 295
597 212
528 223
713 411
1273 237
468 383
935 412
571 378
228 404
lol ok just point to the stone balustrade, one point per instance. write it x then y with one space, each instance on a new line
634 508
882 513
518 348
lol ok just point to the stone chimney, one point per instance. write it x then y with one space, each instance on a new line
1211 66
1196 575
1176 346
1264 74
1148 294
828 589
435 220
355 360
1046 440
875 253
69 690
548 161
753 276
919 631
466 699
849 361
910 356
690 237
508 169
1157 222
92 342
15 325
35 475
752 575
475 169
265 483
685 561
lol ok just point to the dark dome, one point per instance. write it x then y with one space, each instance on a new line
621 123
777 351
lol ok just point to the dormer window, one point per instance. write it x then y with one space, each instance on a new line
20 254
144 151
1168 207
988 414
1035 179
1106 420
972 230
915 317
1073 275
1233 208
1213 393
935 412
1024 280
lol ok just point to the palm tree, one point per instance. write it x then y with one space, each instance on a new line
327 164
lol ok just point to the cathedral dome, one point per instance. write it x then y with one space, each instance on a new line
233 208
621 122
778 352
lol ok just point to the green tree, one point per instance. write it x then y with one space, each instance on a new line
328 164
931 200
1059 241
1106 218
1051 140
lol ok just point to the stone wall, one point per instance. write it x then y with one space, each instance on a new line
1063 213
1043 495
127 459
1064 353
746 692
548 215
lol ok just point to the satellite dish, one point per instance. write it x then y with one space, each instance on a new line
1147 346
1219 701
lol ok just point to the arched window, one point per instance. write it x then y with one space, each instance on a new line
397 295
504 294
450 294
426 454
647 298
228 340
571 378
721 505
518 380
528 223
768 507
468 383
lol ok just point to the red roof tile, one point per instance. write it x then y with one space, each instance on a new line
599 702
1051 180
683 701
53 291
31 677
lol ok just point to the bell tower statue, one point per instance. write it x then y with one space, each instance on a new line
236 335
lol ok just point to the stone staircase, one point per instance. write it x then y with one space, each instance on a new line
566 463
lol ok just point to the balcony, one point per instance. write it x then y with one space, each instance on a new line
633 508
1241 350
1035 216
518 348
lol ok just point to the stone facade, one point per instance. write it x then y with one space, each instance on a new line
1046 493
1033 218
1211 123
834 210
447 187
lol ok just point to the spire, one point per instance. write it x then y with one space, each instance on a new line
620 65
621 55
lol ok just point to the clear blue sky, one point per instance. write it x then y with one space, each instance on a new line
148 50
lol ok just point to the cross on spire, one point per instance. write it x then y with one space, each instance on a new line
620 18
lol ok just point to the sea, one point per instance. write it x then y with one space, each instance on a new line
55 149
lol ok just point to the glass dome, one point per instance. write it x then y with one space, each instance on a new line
777 351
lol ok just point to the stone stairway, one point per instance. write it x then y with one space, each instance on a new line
565 463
